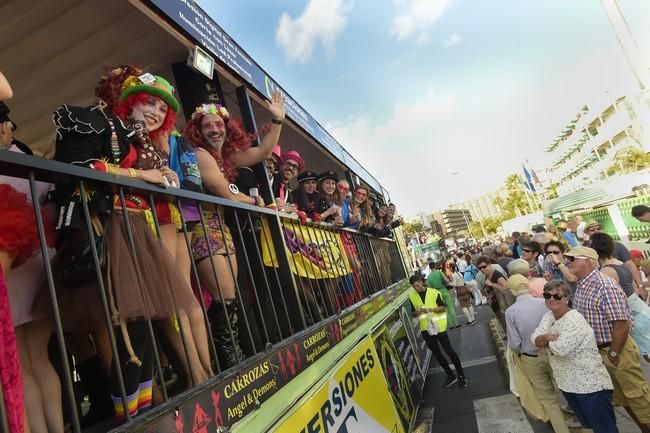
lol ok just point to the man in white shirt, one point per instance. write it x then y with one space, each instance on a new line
522 318
461 264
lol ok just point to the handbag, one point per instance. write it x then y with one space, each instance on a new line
75 265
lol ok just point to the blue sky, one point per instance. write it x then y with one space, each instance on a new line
420 89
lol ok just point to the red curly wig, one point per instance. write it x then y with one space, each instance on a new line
110 84
123 111
109 88
236 139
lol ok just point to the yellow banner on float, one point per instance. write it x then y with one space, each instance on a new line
313 253
354 399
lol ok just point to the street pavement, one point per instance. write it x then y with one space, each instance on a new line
486 405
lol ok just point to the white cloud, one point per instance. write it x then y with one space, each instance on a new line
415 17
402 150
451 40
423 39
321 21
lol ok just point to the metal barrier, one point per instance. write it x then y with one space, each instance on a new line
289 275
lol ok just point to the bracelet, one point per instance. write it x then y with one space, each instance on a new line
133 173
277 121
111 169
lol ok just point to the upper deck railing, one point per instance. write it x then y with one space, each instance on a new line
290 277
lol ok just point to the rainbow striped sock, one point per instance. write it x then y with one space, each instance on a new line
144 395
132 402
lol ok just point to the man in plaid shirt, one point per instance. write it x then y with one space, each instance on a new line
603 304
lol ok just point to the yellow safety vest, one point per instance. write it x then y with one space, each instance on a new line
429 302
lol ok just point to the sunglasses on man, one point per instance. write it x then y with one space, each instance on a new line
572 258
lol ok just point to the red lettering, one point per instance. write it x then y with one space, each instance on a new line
283 367
291 361
201 420
179 423
218 420
296 349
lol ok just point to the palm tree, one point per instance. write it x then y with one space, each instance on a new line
629 160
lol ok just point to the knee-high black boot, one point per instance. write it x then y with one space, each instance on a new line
228 350
96 384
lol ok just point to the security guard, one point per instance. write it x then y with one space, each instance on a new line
428 305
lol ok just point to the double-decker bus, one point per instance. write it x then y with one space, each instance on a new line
325 323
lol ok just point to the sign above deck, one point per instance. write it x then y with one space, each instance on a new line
206 32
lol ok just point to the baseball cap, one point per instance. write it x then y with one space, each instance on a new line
636 254
582 252
517 284
592 223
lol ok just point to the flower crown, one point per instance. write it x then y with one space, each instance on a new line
216 109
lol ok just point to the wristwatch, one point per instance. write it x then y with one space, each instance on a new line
613 354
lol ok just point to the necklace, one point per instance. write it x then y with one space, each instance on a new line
148 155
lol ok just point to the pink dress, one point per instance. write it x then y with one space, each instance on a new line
12 387
19 238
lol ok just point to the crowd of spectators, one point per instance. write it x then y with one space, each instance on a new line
574 305
146 264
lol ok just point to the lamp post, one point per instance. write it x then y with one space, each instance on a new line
469 227
628 44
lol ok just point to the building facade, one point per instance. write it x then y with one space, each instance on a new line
589 144
484 206
438 224
453 221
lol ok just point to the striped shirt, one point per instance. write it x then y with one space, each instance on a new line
601 301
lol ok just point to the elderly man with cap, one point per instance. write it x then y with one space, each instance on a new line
620 253
292 164
603 304
522 318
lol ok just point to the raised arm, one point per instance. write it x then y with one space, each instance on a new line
253 155
216 183
5 89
